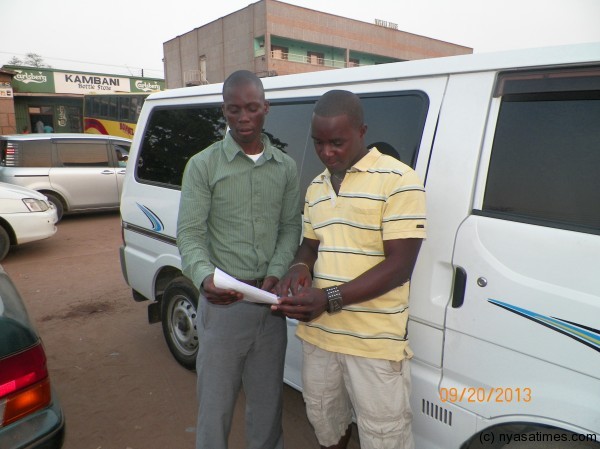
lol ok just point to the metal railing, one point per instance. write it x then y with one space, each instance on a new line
305 59
194 78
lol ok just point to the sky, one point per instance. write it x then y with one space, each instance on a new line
127 36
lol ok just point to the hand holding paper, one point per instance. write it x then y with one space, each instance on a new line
251 294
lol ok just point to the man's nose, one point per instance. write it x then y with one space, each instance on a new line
244 116
327 150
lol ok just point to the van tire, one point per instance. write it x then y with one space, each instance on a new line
4 243
178 311
60 209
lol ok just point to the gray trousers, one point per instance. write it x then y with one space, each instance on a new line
242 344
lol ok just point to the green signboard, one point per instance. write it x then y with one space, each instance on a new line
51 81
32 80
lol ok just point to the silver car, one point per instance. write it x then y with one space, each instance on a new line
76 172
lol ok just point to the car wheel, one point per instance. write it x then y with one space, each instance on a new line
57 203
178 311
4 243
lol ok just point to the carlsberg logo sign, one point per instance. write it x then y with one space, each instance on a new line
146 86
26 78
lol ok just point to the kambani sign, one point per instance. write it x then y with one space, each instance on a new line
32 80
78 83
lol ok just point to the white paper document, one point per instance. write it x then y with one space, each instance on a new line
251 294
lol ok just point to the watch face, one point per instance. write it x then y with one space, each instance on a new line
334 299
335 305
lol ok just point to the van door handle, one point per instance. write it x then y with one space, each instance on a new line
458 290
108 172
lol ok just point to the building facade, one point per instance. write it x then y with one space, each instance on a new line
56 97
273 38
8 124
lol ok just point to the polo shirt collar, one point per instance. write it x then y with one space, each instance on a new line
363 165
232 148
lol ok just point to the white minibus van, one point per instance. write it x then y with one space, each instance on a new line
505 296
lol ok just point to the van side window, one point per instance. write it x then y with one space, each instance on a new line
172 137
122 153
82 154
395 126
34 153
288 127
545 162
395 123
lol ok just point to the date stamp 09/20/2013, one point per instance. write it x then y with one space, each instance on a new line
486 394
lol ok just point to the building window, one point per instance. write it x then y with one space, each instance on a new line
279 52
353 62
202 65
315 57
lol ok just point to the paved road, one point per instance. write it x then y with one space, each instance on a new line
119 386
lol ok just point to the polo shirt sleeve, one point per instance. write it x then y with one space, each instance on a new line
308 230
404 213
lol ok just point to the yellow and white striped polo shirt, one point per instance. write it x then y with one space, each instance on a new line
380 199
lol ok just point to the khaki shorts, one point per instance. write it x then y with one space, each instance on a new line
377 391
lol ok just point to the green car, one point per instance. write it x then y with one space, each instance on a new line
30 415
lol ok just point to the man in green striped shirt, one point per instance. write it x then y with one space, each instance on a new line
239 212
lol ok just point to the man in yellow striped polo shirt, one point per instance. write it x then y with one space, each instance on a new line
364 220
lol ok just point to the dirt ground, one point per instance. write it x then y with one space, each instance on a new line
117 382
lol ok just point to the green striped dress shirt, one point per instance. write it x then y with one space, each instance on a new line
238 215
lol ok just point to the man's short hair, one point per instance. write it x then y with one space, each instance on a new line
242 77
340 102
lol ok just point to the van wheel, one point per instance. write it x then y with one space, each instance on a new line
57 203
178 311
4 243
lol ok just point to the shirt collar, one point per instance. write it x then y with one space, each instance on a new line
363 165
232 148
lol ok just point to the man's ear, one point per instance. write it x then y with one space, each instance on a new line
363 130
267 107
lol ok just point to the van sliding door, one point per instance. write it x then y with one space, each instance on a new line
523 332
84 174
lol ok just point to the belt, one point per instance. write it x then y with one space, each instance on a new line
253 282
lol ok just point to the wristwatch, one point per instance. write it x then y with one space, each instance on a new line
334 299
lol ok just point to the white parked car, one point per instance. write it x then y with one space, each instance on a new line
25 216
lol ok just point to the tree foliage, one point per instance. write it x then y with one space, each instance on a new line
30 60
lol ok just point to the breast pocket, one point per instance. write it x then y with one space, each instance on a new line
364 225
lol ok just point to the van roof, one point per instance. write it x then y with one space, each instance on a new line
44 136
515 59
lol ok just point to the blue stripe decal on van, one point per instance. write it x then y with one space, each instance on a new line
583 334
155 222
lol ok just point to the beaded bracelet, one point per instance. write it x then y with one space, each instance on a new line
297 264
